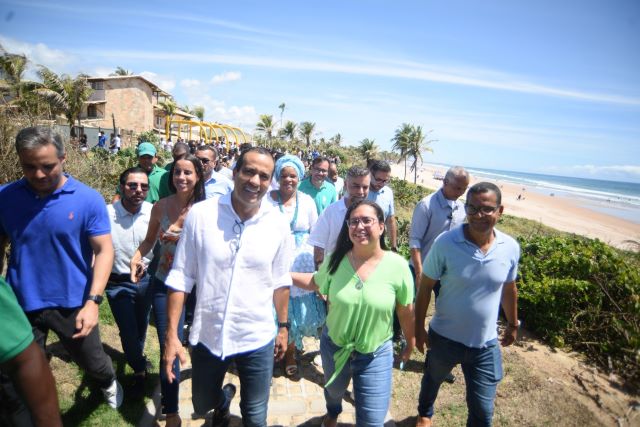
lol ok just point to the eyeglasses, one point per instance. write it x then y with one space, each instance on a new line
486 210
381 181
366 221
134 186
204 160
317 170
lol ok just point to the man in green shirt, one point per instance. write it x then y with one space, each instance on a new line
158 183
23 360
316 186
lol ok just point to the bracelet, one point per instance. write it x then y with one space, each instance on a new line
516 326
284 325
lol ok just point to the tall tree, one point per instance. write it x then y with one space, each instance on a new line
306 130
368 149
169 108
65 94
418 144
121 72
336 139
289 130
401 143
198 111
281 107
265 126
14 89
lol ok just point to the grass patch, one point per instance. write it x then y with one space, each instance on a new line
81 400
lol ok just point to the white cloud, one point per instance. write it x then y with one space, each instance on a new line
165 83
39 54
228 76
188 83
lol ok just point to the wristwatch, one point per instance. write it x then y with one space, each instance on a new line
95 298
284 325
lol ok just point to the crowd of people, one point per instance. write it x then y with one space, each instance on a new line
238 267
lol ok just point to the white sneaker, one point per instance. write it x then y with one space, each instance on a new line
113 394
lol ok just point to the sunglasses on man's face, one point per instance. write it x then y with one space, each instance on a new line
134 186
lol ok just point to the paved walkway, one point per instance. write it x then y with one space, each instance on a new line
297 401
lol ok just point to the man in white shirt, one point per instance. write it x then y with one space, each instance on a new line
214 182
238 250
324 235
130 302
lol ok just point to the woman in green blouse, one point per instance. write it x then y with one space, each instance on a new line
364 284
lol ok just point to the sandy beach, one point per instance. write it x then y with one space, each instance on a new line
560 212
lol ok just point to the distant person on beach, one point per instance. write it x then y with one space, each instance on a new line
238 250
25 363
324 236
382 194
477 267
439 212
316 186
61 253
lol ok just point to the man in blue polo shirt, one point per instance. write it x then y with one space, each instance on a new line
61 253
477 267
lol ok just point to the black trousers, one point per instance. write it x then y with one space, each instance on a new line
87 352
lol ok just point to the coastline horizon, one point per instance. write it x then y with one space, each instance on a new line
588 212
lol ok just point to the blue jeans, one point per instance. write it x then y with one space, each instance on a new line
255 369
482 368
371 375
131 304
169 390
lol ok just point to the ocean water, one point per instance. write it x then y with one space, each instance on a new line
620 199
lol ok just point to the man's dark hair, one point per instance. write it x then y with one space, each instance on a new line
379 166
208 148
344 243
125 175
259 150
485 187
319 159
179 147
38 136
244 147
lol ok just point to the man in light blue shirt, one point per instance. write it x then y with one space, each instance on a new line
477 267
214 183
381 194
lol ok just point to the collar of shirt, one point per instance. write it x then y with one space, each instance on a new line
69 186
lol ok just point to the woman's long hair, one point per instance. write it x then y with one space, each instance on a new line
198 191
344 243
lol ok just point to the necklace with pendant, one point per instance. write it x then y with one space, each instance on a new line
360 283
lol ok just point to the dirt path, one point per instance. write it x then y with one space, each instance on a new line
541 386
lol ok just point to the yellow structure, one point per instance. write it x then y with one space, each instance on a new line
207 131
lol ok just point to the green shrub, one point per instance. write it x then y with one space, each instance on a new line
584 294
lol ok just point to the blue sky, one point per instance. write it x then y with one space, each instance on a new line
540 86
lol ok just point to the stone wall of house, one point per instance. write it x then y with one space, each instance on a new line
130 100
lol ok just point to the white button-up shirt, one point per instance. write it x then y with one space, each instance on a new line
237 267
127 232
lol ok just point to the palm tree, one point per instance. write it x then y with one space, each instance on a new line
265 126
198 111
14 90
306 130
281 107
368 149
336 139
417 145
289 130
169 108
401 143
66 95
121 72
